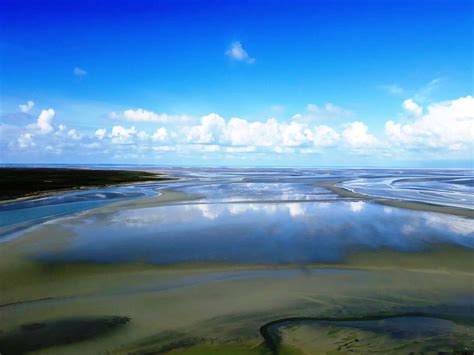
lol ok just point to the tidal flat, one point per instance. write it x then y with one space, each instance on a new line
243 261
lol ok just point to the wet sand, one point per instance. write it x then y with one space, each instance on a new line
417 206
222 305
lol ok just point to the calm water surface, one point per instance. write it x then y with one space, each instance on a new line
255 216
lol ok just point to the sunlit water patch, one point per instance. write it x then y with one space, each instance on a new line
256 233
259 191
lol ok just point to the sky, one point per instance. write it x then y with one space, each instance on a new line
237 83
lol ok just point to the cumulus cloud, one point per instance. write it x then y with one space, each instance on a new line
44 121
443 129
73 134
238 53
122 135
445 125
412 107
209 131
324 136
100 133
79 71
271 133
141 115
25 140
242 132
27 106
160 135
356 135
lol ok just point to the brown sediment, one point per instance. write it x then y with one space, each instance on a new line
412 205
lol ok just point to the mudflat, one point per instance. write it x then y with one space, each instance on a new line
258 265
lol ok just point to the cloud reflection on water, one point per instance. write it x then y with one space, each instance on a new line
260 232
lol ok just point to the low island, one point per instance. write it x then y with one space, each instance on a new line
27 182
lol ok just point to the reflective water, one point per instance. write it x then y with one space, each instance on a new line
249 216
252 216
25 213
256 232
450 188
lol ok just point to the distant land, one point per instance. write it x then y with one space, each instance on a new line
26 182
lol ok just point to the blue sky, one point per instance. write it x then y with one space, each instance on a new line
237 82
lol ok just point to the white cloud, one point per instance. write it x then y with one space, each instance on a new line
270 133
237 52
293 134
100 133
122 135
26 107
73 134
240 132
160 135
356 135
324 136
446 125
25 140
43 123
444 130
79 71
141 115
412 107
209 131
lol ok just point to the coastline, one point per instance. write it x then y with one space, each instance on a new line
132 177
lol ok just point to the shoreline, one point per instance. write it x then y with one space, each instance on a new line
116 178
407 204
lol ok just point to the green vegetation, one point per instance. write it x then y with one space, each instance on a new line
23 182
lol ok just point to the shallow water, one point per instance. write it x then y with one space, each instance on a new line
452 188
446 188
255 233
206 261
